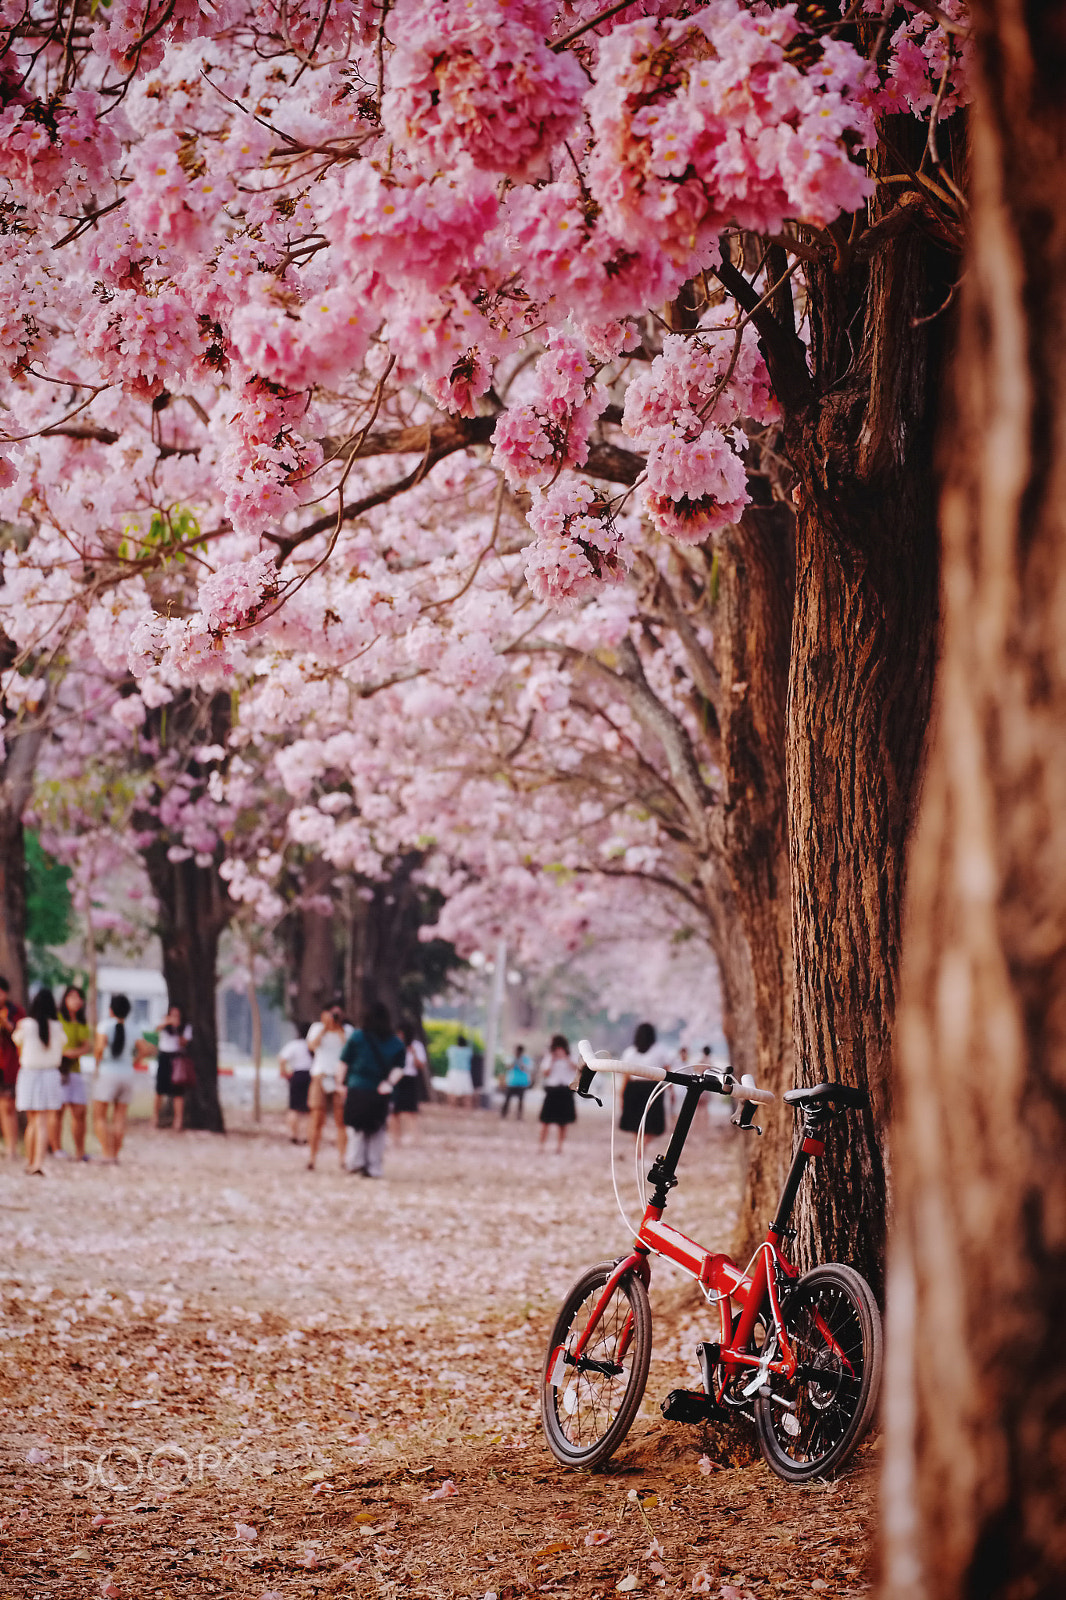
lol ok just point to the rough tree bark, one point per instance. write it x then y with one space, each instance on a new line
859 422
975 1492
752 621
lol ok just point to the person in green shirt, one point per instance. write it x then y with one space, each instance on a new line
373 1058
77 1042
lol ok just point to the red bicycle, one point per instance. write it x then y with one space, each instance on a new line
801 1356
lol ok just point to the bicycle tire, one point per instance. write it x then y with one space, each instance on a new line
586 1417
810 1427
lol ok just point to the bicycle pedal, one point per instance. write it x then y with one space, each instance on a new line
688 1405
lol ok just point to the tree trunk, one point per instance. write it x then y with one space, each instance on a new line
311 948
752 623
975 1493
193 911
16 787
388 962
863 650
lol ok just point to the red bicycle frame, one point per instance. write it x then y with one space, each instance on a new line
719 1277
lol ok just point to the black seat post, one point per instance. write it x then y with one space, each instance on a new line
812 1123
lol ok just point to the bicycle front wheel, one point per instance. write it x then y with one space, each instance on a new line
809 1427
588 1402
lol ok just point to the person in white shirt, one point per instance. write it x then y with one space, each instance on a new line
39 1040
325 1040
114 1080
556 1074
636 1092
412 1087
294 1064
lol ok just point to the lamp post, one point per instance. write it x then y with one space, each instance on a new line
492 1019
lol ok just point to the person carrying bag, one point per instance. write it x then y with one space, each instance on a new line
374 1060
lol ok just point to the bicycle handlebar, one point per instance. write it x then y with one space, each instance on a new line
714 1081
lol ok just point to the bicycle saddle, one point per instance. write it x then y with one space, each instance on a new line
834 1094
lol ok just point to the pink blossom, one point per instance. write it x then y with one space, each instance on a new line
475 79
231 597
578 548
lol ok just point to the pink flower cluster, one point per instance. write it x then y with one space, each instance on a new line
145 342
43 146
696 479
696 482
295 345
535 440
266 459
703 122
474 78
135 33
567 256
578 548
425 231
232 596
922 56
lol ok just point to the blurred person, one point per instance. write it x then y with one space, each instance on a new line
636 1092
412 1086
374 1059
556 1075
114 1080
77 1042
325 1040
294 1064
11 1014
172 1069
458 1085
39 1040
516 1080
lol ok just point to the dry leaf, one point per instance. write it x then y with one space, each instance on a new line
549 1550
110 1589
627 1584
446 1490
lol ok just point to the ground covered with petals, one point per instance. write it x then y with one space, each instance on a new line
221 1374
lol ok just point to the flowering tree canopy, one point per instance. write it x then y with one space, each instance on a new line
370 364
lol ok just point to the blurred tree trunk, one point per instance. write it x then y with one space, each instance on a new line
194 908
386 961
17 769
311 946
975 1491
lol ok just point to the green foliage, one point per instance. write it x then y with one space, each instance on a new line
49 913
170 534
439 1035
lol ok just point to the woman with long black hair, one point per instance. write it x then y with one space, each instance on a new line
113 1083
39 1041
77 1042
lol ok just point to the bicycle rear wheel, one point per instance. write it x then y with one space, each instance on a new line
809 1427
587 1404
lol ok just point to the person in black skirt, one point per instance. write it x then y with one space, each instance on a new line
636 1092
557 1073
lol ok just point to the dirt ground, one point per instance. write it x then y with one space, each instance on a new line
224 1375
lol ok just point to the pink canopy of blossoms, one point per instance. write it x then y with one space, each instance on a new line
315 320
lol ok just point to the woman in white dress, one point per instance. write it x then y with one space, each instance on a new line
114 1081
39 1040
636 1092
325 1040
